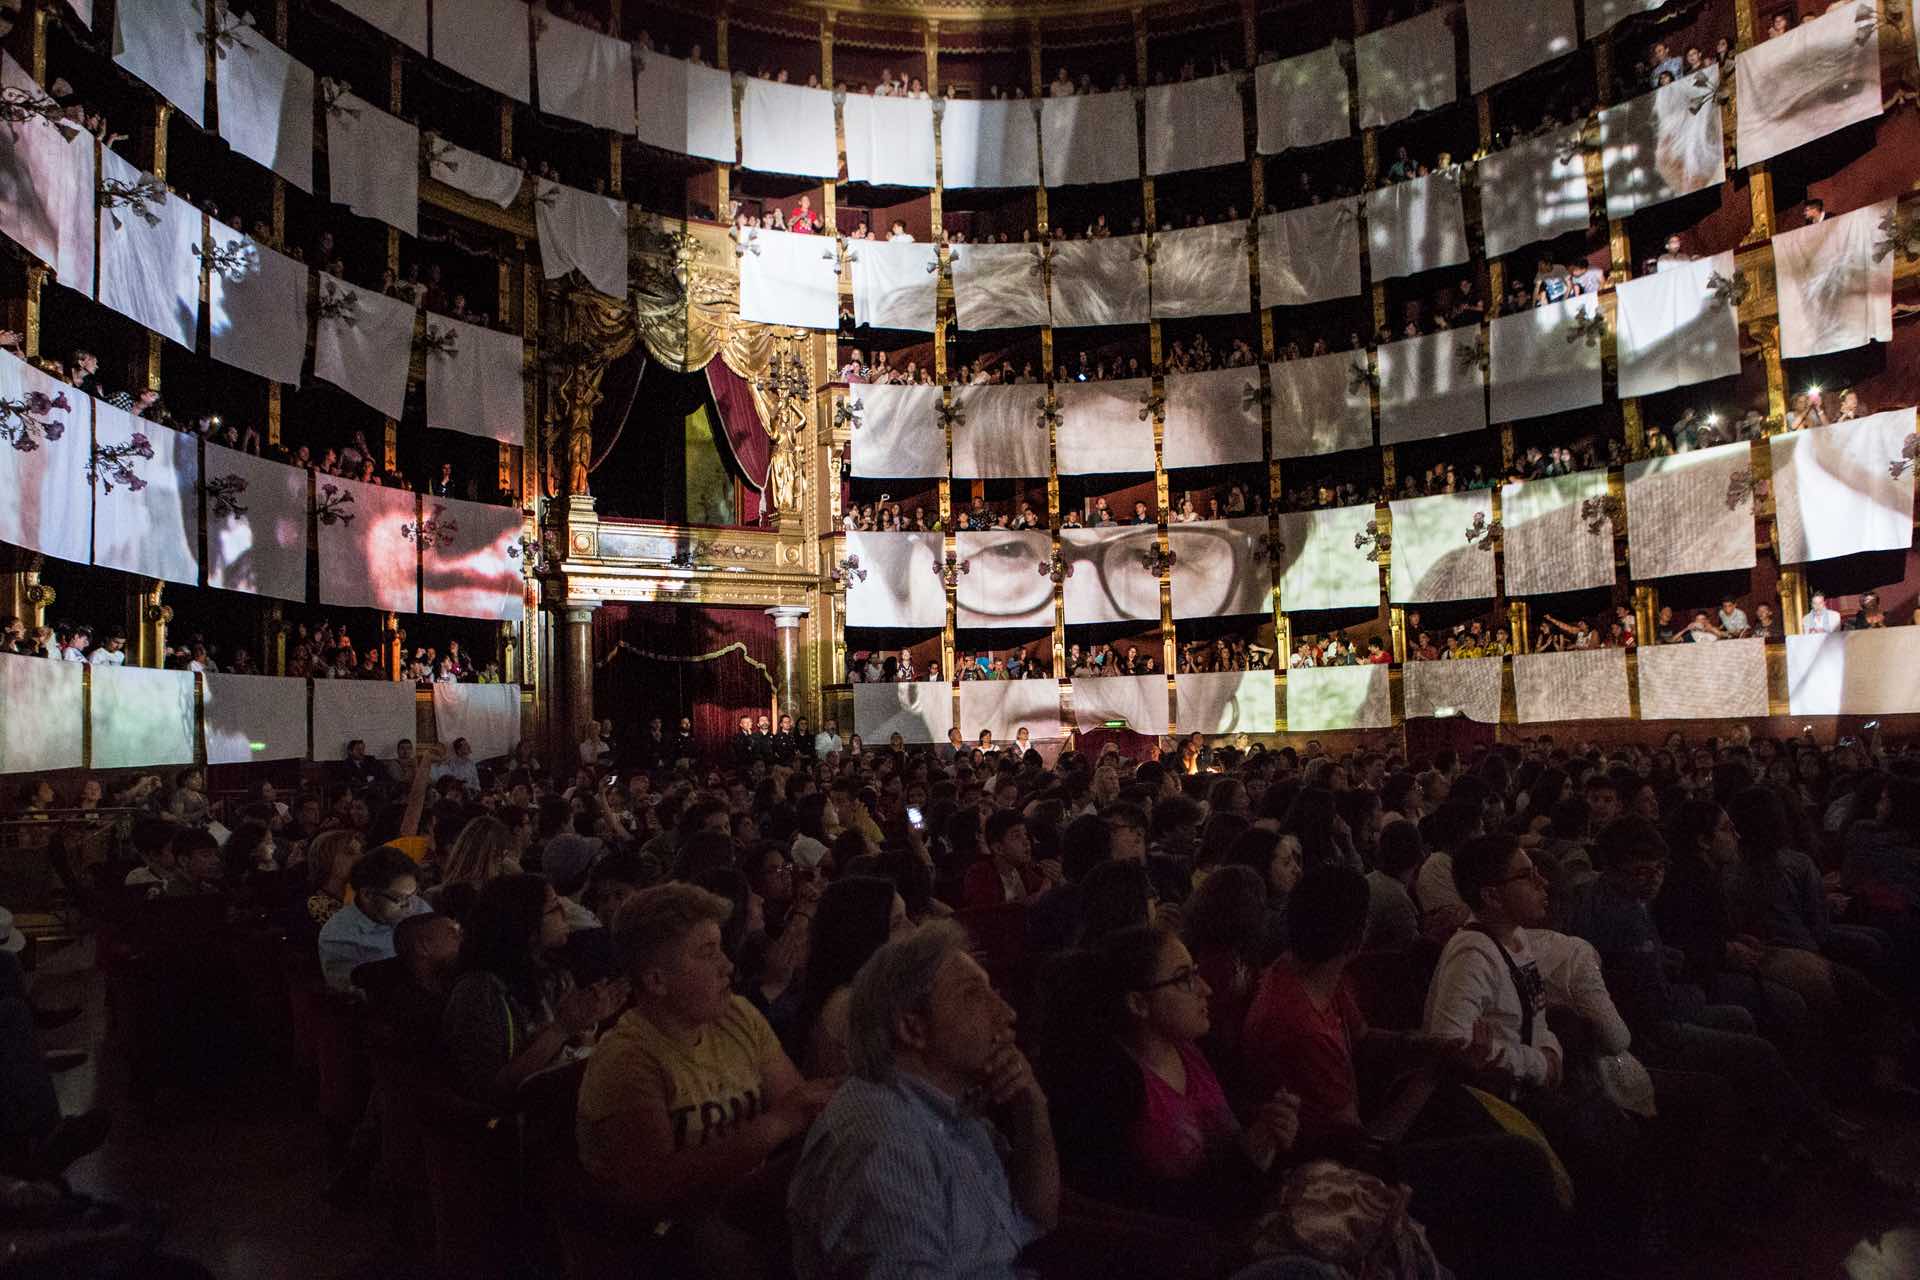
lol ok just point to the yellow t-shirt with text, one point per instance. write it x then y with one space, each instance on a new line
707 1088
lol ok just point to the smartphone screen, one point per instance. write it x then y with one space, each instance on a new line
917 818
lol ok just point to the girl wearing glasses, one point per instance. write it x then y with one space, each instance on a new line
1139 1115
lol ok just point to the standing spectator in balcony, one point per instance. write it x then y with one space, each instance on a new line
897 233
1764 626
74 648
1814 210
803 221
1733 619
1819 620
1675 255
1664 63
1870 616
111 654
1803 411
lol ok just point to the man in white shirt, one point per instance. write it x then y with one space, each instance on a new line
827 740
1819 620
1674 257
1733 619
111 654
1491 991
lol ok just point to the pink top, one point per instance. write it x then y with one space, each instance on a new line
1176 1131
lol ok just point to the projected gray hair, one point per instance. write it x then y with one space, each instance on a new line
896 979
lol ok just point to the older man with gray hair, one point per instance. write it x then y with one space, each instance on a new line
903 1174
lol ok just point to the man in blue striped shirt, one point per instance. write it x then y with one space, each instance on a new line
902 1175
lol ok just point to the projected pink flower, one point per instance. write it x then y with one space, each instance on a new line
113 464
28 420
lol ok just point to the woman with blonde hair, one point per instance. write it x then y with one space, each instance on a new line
483 850
330 859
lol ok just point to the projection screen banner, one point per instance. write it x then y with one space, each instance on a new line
1139 701
1007 706
1581 684
1323 699
1463 686
1854 673
1703 681
251 718
1225 702
920 712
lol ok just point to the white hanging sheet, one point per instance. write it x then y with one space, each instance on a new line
1703 681
584 75
141 717
369 562
899 436
1663 145
1834 493
472 567
48 191
258 543
1579 684
473 173
378 712
158 42
1100 282
148 270
1534 190
1540 363
896 284
1004 707
1681 513
42 729
1415 226
1201 271
1604 15
258 308
999 286
1310 254
1212 418
365 350
266 106
1325 699
1547 545
1195 124
49 506
1006 584
584 232
1089 137
685 109
373 163
1464 686
1815 80
1224 702
486 41
1673 331
920 712
1222 568
1302 101
1320 566
1101 427
787 128
1508 38
1854 673
1111 580
486 715
1433 559
153 530
989 143
1406 68
248 719
1001 437
404 20
1139 701
790 278
1431 386
1320 405
901 588
889 140
479 387
1833 295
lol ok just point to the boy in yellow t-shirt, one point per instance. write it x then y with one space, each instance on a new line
690 1091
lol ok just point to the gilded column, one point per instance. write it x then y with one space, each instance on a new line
577 644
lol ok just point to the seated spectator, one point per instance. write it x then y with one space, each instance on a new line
1224 924
904 1174
690 1092
407 995
1008 872
459 765
1143 1121
512 1013
856 916
1393 921
385 891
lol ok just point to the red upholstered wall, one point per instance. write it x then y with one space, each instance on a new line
628 689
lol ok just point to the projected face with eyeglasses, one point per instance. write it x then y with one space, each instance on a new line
1008 584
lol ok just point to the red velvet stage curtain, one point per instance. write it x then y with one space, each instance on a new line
628 688
743 433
